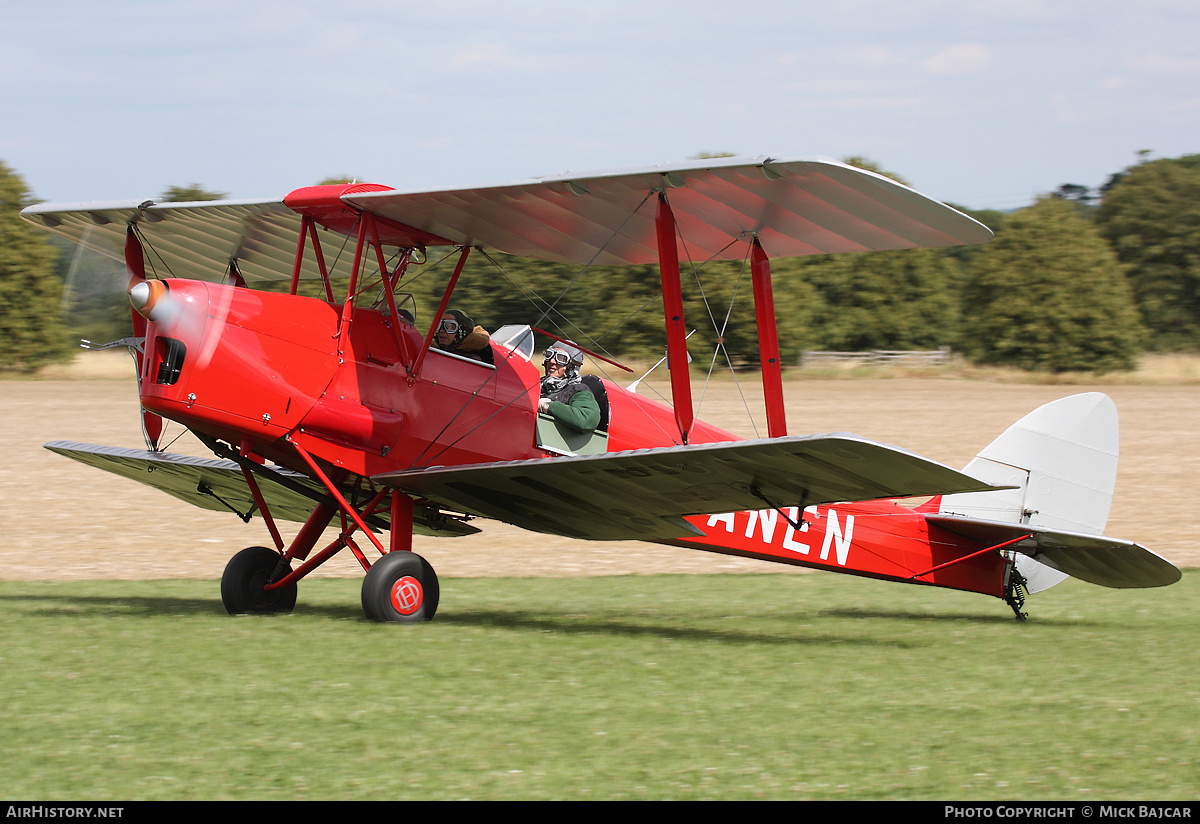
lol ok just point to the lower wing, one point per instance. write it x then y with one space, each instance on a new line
219 485
644 494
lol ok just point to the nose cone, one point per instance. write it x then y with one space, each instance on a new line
139 295
149 299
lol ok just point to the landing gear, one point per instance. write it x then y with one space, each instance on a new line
1015 591
245 578
400 587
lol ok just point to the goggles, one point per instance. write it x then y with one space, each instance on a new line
557 356
448 325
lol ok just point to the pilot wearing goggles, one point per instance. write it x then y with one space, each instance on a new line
564 396
457 333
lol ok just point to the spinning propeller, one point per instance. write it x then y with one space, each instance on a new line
196 320
184 318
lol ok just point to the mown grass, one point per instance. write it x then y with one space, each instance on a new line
648 687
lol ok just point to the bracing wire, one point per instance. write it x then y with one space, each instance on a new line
597 254
719 329
547 308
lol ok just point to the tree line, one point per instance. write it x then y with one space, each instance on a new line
1079 280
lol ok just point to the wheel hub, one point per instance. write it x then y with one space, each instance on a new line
407 595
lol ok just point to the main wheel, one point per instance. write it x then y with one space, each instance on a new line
245 576
401 587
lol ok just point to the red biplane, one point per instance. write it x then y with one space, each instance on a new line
341 406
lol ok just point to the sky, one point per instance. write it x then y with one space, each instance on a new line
986 104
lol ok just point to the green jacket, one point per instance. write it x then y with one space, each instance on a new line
581 412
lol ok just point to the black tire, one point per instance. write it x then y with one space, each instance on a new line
401 587
245 576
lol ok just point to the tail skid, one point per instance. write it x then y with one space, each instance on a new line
1061 462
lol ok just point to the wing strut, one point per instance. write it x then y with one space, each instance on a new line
441 310
768 341
338 496
308 228
677 357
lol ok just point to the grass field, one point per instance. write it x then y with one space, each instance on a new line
623 687
563 669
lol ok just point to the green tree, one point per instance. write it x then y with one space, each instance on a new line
613 310
31 329
1075 193
95 305
1151 217
191 193
719 305
617 310
991 218
884 300
1049 295
860 162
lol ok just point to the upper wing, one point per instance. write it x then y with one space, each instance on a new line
643 494
796 207
219 485
1097 559
189 240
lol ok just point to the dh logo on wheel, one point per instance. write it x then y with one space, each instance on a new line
407 595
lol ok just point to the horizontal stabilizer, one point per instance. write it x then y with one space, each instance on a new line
643 494
1060 463
1097 559
218 485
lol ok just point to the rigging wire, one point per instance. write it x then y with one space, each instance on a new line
532 296
463 408
725 351
545 314
547 308
593 341
719 329
597 254
146 244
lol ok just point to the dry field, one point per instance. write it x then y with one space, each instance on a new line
63 520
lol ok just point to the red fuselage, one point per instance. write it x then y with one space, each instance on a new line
255 368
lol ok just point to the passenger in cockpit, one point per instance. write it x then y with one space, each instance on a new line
564 395
457 333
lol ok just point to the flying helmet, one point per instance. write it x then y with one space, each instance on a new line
563 353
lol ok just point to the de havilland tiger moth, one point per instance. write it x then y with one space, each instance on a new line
346 410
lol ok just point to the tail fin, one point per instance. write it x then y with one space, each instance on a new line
1061 462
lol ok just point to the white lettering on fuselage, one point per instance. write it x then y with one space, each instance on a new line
767 522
